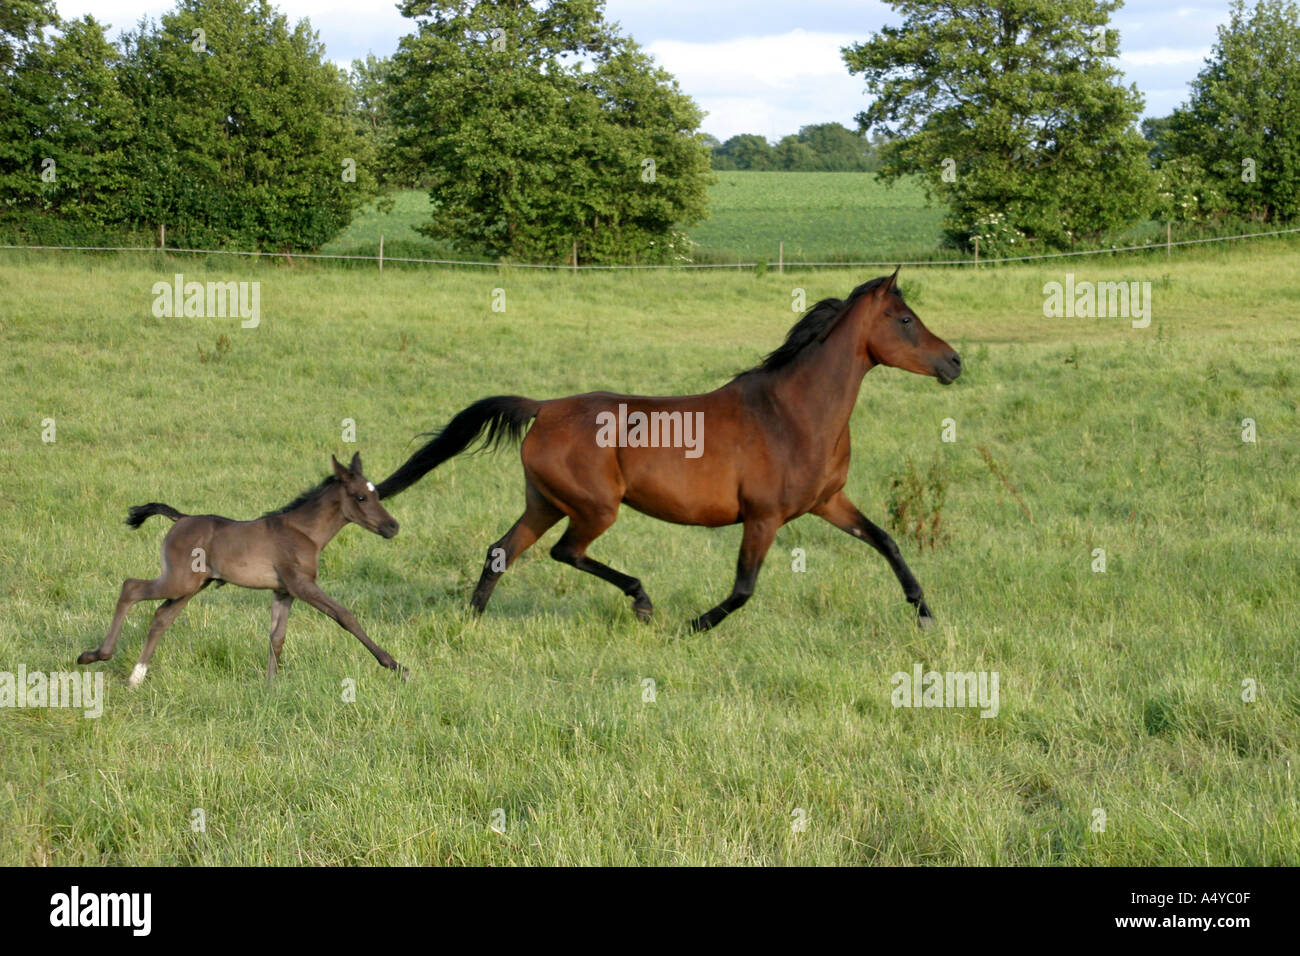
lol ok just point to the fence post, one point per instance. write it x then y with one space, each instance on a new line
575 257
780 257
977 252
381 253
162 235
1169 245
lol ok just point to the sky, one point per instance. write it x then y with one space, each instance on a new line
758 66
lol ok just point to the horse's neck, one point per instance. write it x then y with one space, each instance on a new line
823 386
319 520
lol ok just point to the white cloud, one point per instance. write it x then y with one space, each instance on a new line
770 85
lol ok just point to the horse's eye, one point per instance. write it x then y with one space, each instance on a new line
905 319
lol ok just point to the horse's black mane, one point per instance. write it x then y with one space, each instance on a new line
815 323
311 494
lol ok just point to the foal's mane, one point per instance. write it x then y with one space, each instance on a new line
311 494
811 328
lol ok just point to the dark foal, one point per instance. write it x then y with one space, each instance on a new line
276 552
770 445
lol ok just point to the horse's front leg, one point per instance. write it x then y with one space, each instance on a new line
305 589
757 538
844 514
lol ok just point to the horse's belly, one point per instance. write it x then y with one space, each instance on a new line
680 490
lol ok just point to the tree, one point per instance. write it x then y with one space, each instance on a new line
539 126
1012 109
369 81
1158 132
792 154
245 132
1242 123
836 148
748 151
68 125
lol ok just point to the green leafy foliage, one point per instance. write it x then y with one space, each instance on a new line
1242 123
538 127
1014 107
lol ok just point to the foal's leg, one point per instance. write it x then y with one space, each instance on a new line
280 605
133 591
757 538
162 619
842 513
304 588
572 547
538 517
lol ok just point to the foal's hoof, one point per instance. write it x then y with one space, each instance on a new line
87 657
923 616
401 672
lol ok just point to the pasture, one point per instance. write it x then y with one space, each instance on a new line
1120 691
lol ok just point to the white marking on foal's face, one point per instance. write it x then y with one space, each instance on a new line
370 486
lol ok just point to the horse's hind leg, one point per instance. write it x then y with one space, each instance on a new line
571 549
538 518
133 591
162 619
757 538
280 605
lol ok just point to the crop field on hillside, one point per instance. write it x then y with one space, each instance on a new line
819 216
1148 713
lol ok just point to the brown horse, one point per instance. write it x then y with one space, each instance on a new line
276 552
770 445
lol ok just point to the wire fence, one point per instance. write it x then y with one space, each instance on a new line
781 265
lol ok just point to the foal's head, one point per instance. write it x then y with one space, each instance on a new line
360 501
896 336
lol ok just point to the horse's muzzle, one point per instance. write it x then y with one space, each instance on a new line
947 369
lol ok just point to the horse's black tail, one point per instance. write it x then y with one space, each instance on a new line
501 416
137 515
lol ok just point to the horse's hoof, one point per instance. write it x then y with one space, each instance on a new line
699 625
643 612
137 675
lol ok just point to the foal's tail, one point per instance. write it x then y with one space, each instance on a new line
137 515
501 416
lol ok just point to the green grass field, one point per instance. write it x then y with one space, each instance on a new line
820 217
1119 691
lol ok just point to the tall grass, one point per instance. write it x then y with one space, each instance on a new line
1120 691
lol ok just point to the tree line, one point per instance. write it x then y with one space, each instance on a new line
539 128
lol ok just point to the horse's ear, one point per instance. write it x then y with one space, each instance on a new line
355 467
891 281
339 470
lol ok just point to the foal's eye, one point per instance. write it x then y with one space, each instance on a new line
361 497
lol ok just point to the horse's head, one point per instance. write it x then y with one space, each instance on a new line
896 336
360 501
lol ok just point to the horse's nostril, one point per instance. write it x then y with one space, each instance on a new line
956 359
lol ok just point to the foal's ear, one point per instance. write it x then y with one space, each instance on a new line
339 470
355 467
